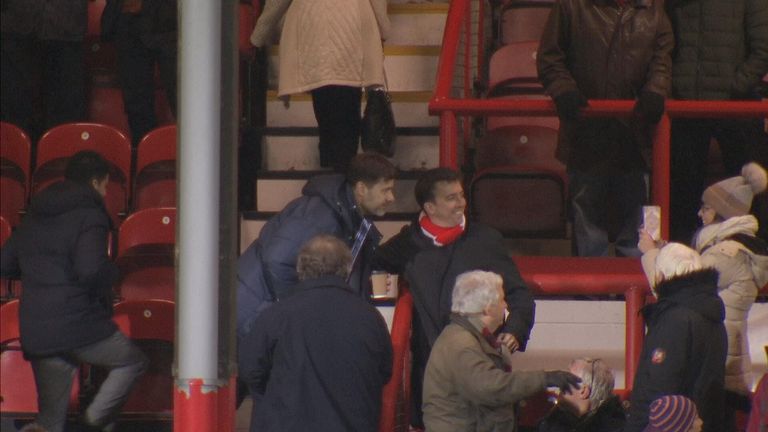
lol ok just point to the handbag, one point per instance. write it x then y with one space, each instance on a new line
378 125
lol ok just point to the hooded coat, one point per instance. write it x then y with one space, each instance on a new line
684 349
60 251
326 42
266 271
608 417
741 260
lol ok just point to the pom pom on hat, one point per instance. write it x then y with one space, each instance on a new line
733 196
671 414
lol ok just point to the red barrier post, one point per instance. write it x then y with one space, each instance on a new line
661 172
448 138
634 299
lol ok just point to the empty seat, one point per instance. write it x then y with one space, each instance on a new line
512 70
100 56
520 187
15 165
18 393
146 255
151 325
523 21
61 142
155 179
105 104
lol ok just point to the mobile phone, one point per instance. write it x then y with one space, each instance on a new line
652 221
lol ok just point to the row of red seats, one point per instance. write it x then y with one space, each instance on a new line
149 322
153 185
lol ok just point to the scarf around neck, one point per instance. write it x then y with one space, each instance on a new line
441 236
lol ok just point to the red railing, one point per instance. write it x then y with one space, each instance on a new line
452 103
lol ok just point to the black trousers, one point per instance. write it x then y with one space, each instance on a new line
741 140
337 110
43 83
138 52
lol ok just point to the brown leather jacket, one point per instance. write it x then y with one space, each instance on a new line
605 51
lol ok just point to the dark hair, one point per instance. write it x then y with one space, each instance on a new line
85 166
323 255
370 168
425 187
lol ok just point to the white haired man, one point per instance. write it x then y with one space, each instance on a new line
592 407
468 383
685 347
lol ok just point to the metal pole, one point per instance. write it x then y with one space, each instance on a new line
448 139
661 177
634 299
199 66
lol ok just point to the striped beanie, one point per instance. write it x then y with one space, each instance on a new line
733 196
671 414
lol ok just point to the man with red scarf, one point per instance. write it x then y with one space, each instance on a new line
432 251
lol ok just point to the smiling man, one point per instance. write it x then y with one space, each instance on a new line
432 251
330 204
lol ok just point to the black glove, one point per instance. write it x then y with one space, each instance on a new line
562 379
650 106
569 104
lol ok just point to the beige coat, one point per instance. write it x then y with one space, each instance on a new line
465 388
326 42
742 274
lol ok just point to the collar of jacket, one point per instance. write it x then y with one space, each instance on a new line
639 4
331 281
696 291
465 323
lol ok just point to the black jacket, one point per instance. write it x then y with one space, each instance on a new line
684 350
609 417
60 252
321 359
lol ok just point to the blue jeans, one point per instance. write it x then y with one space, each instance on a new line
54 375
591 197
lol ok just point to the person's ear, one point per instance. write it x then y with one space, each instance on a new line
360 189
584 391
429 208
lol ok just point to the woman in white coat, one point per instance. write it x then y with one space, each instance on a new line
333 49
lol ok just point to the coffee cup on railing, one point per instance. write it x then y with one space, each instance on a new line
384 285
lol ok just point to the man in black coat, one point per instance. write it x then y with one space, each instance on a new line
592 407
432 251
60 252
320 358
685 347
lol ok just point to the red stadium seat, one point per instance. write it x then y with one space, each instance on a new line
520 188
105 104
155 179
7 286
18 393
100 56
61 142
146 255
15 165
151 325
523 21
512 70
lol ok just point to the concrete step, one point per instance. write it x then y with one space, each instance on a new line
301 152
273 194
407 67
417 23
410 109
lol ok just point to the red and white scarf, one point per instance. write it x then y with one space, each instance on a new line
441 236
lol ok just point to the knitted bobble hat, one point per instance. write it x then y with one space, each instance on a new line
733 196
671 414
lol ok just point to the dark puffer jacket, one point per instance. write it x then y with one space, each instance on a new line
60 251
62 20
605 51
266 271
721 48
609 417
684 350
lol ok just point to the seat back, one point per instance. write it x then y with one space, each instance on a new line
146 255
155 180
518 145
61 142
18 392
15 166
512 70
6 290
523 21
151 325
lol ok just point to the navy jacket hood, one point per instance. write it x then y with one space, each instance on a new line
63 197
696 291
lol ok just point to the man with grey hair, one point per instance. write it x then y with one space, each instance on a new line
592 407
469 384
685 347
318 360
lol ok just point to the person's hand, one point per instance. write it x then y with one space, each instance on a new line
569 104
562 380
645 241
649 106
510 341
